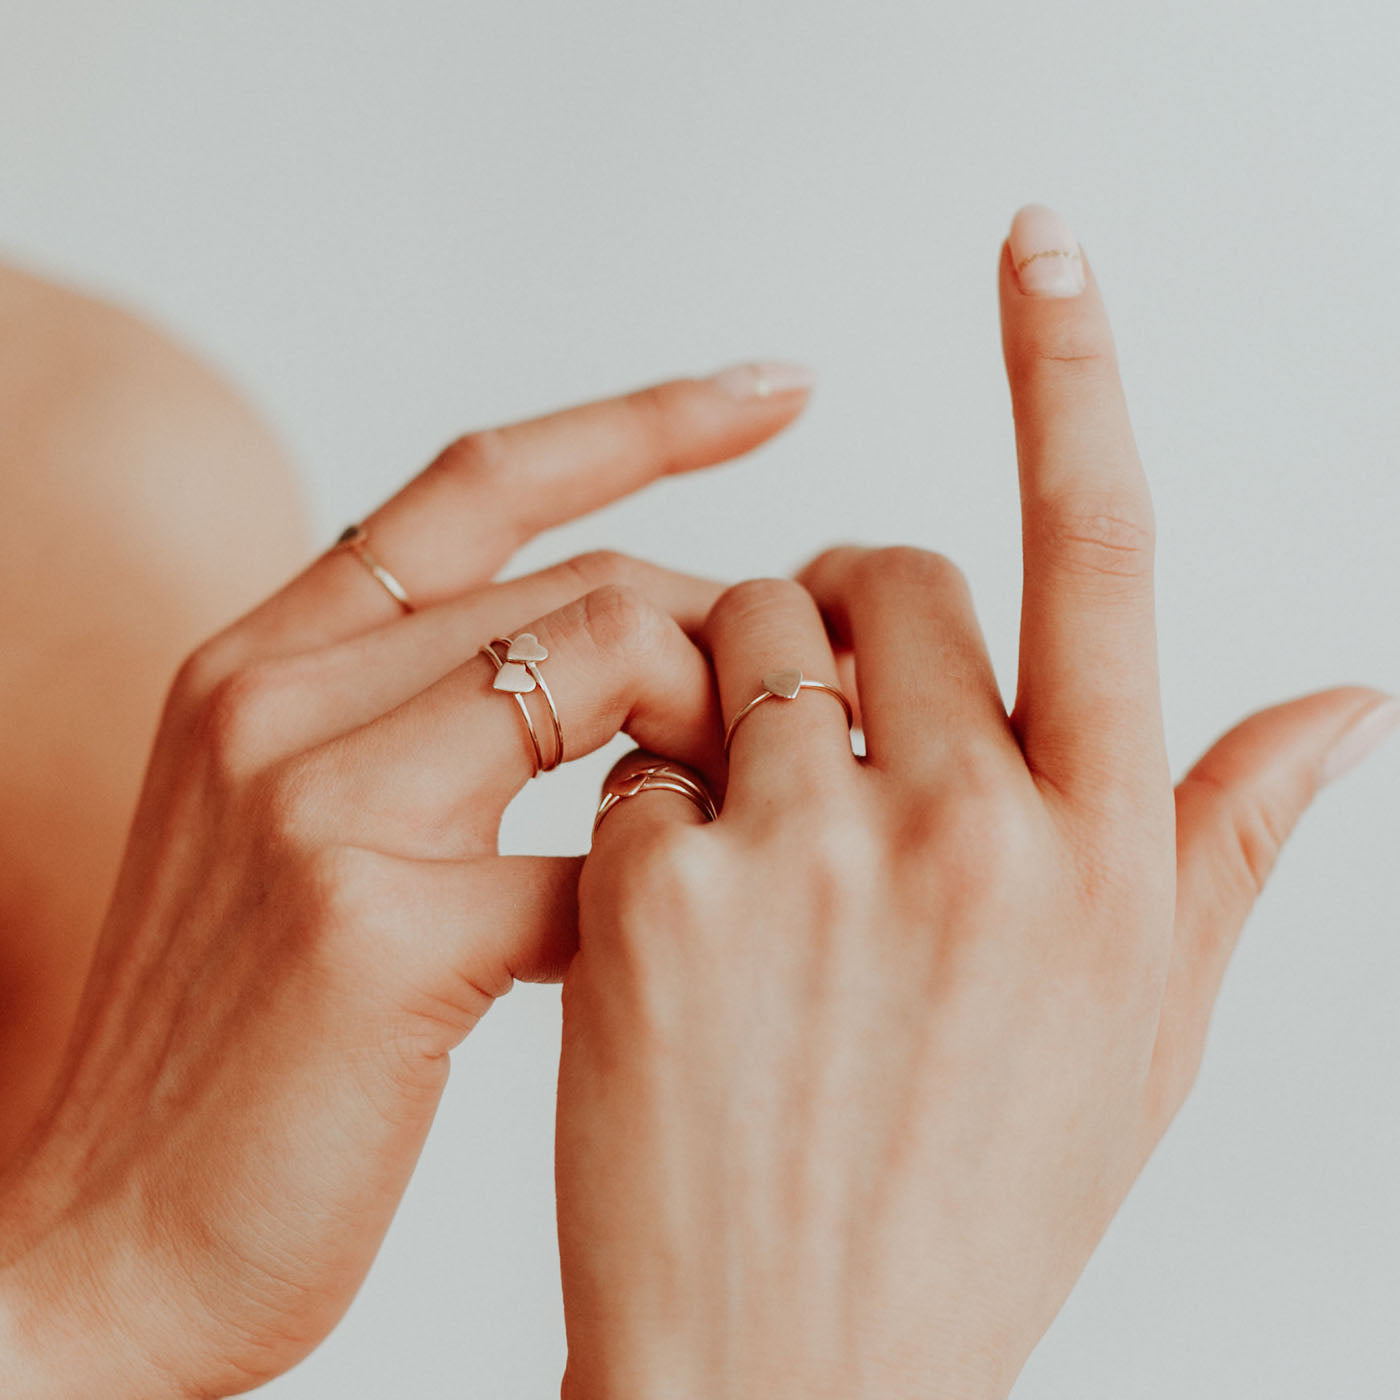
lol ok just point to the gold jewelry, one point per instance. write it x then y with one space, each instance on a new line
656 777
784 685
355 540
518 674
524 710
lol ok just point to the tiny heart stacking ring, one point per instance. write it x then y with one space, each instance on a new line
517 662
784 685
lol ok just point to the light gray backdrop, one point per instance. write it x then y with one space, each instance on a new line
394 221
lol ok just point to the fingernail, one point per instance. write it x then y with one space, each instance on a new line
1045 253
763 379
1364 737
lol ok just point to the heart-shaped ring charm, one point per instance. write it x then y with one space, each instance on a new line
514 678
783 684
527 647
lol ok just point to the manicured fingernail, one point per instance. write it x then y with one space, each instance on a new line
1045 253
1364 737
763 380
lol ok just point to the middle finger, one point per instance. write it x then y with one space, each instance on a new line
441 768
764 634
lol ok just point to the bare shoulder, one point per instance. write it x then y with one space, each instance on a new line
143 505
131 430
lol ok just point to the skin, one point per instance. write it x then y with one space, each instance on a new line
822 1131
148 507
854 1078
311 912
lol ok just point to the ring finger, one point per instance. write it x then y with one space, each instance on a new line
927 688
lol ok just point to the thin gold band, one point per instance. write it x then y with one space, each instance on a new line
518 673
354 539
656 777
784 685
524 710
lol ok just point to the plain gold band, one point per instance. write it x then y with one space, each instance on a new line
533 668
765 695
355 540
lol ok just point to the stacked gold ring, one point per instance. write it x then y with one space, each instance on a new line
656 777
518 674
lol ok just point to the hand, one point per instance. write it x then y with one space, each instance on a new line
854 1078
312 911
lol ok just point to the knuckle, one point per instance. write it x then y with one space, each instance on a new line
988 833
841 848
679 859
235 715
677 868
1100 537
616 617
198 675
600 567
831 565
905 566
742 603
476 455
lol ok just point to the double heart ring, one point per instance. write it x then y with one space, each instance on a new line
517 662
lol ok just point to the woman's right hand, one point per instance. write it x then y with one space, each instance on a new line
854 1077
312 910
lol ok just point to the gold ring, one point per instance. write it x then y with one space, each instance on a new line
784 685
518 674
355 540
524 710
656 777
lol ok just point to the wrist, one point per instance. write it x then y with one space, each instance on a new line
61 1335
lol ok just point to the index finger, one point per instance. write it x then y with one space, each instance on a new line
455 524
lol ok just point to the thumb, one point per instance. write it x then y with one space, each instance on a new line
1234 811
457 935
1240 803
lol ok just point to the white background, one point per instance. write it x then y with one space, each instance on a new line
394 221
